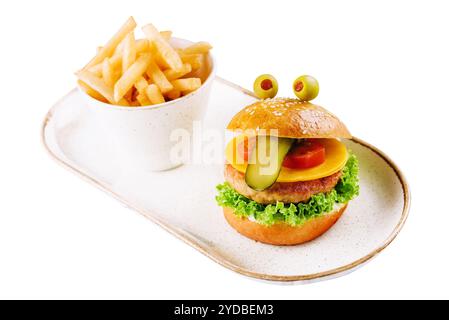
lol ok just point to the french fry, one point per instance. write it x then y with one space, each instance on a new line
166 35
97 84
143 100
171 74
115 61
142 46
129 51
195 60
158 77
123 102
187 85
131 75
197 48
94 94
119 49
163 48
174 94
141 85
108 73
154 94
97 70
160 61
109 48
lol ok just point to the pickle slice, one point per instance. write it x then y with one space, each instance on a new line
266 160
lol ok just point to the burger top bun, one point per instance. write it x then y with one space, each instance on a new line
291 118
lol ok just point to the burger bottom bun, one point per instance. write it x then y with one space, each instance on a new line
282 234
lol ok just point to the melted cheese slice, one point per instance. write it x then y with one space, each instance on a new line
336 157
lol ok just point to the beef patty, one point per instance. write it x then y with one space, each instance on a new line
288 192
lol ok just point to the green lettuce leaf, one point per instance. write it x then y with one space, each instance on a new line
293 214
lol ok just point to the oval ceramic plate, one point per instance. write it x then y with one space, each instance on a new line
369 224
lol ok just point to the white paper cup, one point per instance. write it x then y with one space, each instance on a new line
141 135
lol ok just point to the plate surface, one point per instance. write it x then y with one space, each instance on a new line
369 224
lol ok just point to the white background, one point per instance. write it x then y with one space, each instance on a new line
383 67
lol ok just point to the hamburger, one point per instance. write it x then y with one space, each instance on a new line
289 178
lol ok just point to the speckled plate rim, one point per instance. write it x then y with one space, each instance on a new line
190 239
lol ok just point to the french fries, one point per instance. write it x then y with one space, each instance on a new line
109 48
197 48
158 77
94 94
171 74
129 51
143 99
129 78
108 73
154 94
142 45
140 72
187 85
165 51
97 84
141 84
174 94
116 59
195 60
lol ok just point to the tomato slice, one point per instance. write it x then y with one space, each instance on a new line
246 147
307 153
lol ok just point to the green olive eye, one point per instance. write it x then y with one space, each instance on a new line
306 88
266 86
